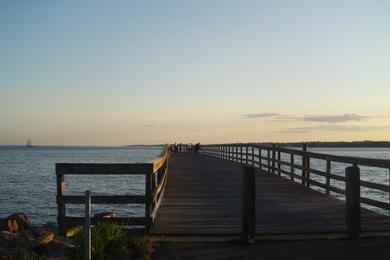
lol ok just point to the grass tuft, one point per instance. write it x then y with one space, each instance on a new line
21 254
109 241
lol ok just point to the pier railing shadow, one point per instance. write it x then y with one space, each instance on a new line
155 174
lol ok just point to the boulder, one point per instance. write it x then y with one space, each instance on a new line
7 235
18 222
13 225
42 236
105 215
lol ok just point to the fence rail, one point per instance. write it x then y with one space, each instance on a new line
296 164
155 181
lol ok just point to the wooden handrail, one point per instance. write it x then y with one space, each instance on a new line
274 163
155 174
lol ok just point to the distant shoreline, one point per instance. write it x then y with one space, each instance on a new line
341 144
338 144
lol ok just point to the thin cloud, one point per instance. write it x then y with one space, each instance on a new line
260 115
334 128
341 118
151 125
334 118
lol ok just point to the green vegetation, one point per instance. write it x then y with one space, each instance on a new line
111 242
19 255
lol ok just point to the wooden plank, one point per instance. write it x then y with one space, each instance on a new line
375 203
382 163
129 221
103 168
105 199
376 186
160 161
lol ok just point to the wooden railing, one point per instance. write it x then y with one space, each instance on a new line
276 159
155 174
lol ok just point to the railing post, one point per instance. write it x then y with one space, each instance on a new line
269 159
248 205
60 203
352 196
87 226
260 159
253 156
307 170
328 165
241 156
149 200
292 166
304 149
226 152
279 163
273 158
247 154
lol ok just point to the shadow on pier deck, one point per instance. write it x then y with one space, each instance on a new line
203 198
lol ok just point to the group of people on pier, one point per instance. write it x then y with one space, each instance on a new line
179 148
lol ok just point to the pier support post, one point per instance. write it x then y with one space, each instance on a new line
273 158
87 226
60 203
248 213
149 202
352 196
304 166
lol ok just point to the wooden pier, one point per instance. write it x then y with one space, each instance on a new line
203 197
201 194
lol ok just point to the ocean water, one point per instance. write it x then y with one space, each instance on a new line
28 181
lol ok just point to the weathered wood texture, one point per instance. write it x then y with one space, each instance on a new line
203 197
306 174
155 174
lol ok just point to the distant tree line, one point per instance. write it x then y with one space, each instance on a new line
339 144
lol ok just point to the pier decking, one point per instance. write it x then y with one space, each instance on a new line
203 197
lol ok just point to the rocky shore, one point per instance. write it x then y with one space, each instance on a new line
18 236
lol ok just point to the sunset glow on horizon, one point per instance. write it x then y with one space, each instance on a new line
127 72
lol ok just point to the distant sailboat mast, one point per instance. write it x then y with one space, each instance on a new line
29 143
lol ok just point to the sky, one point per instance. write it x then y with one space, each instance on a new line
152 72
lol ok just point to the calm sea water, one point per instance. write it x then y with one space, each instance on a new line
28 181
28 184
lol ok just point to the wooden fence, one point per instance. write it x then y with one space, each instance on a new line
296 165
155 174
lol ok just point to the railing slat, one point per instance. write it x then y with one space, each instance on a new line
104 199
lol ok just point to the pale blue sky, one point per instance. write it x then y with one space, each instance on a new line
120 72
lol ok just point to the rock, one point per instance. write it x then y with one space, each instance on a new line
13 225
10 225
73 231
42 236
18 222
105 215
8 235
36 239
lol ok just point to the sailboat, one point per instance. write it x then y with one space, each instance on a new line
29 143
